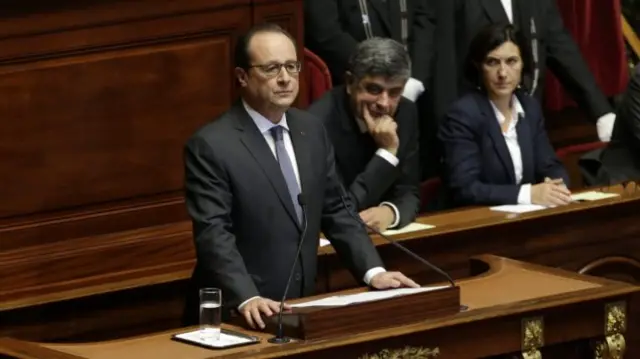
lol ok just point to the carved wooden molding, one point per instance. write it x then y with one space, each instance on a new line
405 353
96 265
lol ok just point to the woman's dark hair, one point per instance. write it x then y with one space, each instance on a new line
489 39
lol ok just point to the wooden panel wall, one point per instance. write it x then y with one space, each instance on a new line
97 99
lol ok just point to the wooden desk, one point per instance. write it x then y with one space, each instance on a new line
141 287
570 310
599 237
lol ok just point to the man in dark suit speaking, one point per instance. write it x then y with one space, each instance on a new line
374 131
244 174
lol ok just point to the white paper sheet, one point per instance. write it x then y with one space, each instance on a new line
341 300
411 227
223 341
592 196
518 208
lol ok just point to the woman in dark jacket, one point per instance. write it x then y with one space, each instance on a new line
496 149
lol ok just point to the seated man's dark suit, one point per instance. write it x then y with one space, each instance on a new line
245 227
371 179
334 27
620 161
478 163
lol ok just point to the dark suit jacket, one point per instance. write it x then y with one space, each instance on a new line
244 223
334 27
370 178
460 20
620 160
478 164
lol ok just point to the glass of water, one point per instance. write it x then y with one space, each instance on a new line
210 313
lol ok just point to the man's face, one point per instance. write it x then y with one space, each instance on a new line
272 78
379 95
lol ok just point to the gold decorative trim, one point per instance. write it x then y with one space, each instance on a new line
615 324
616 346
630 35
405 353
600 350
532 337
615 318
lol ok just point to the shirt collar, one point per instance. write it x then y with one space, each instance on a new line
517 109
264 125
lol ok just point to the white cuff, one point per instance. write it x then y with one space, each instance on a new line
413 89
247 301
388 156
605 126
396 214
372 273
524 196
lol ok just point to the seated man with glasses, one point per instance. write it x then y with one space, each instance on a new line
375 134
259 177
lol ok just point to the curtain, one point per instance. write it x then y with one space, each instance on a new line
597 29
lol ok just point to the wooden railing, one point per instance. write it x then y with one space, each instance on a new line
630 37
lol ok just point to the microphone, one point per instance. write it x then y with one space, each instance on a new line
391 240
280 338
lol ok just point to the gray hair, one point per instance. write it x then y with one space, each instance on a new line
380 57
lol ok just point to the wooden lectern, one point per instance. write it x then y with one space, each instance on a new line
310 323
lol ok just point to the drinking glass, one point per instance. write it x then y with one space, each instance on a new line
210 313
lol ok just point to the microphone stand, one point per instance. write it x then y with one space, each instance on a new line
393 241
279 338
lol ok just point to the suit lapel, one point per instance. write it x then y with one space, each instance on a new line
495 11
303 153
382 9
497 137
526 149
345 137
255 143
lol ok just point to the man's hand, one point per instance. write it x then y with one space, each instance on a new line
553 192
386 280
252 310
557 181
383 129
379 217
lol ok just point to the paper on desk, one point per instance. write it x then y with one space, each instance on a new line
223 340
524 208
341 300
592 196
411 227
518 208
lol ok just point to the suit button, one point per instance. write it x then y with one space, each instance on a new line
298 277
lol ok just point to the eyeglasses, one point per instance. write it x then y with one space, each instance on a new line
273 69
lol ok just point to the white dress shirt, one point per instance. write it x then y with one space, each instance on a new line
508 8
264 126
511 139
